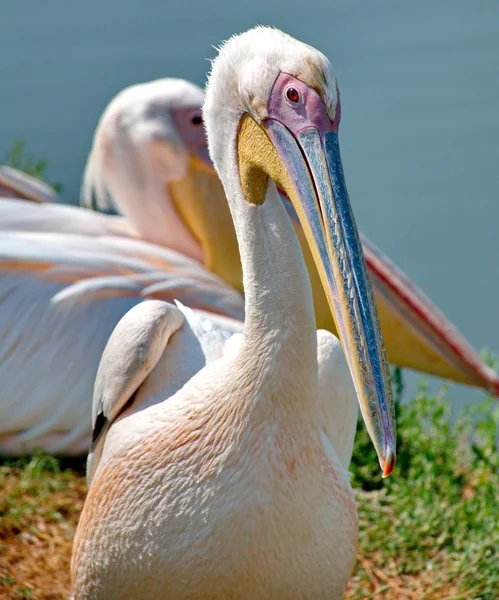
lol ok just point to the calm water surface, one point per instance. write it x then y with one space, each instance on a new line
420 128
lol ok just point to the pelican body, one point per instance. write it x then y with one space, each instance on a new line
218 478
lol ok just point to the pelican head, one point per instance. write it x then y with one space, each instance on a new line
279 112
149 161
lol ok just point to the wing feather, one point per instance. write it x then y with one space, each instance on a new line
337 396
133 350
19 215
61 297
20 185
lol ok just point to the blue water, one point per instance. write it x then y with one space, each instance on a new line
420 128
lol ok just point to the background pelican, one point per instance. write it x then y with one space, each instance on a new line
230 487
149 135
69 274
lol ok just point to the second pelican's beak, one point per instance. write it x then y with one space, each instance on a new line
200 201
307 166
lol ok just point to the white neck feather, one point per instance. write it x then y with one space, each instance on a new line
277 287
279 327
144 201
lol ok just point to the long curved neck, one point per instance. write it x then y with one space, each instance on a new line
279 327
150 212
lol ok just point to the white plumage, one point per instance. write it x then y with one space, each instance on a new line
142 143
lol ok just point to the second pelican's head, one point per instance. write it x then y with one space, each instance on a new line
149 161
272 112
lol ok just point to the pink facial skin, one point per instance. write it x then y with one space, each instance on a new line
308 112
189 125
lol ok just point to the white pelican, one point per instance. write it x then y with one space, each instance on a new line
56 288
218 480
68 274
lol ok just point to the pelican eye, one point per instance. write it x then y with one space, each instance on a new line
197 120
293 95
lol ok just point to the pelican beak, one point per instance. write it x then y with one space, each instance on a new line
199 199
316 186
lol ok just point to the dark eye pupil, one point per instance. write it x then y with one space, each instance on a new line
292 95
197 120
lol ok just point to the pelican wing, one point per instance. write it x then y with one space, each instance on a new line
16 184
134 349
62 295
417 335
18 215
152 352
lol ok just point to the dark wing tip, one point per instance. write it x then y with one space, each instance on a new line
100 423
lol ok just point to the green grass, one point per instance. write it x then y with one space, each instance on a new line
436 517
35 491
40 501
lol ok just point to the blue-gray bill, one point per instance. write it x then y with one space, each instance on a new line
314 164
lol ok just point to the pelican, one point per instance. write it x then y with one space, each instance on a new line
218 479
63 293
